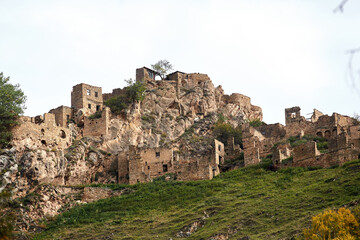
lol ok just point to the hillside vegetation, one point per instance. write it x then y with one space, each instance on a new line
250 202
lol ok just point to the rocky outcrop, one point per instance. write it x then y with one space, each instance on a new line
169 109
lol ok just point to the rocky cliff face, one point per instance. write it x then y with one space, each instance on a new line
168 110
43 153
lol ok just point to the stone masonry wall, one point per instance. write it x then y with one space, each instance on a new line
98 126
87 97
62 115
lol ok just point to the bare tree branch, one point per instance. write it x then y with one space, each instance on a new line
352 73
340 7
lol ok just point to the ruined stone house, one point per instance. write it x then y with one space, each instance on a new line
145 164
340 132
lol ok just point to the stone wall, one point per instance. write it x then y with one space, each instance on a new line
315 116
62 115
145 74
115 92
84 96
40 132
97 126
194 170
292 115
305 151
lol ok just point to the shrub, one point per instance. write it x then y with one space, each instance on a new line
12 101
223 131
134 92
95 115
333 225
256 123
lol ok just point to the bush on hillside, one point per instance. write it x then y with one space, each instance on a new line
134 92
333 225
223 131
12 101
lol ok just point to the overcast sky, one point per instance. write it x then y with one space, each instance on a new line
281 53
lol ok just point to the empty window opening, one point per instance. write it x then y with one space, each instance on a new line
88 92
148 167
43 142
219 147
42 131
62 134
157 154
165 167
199 83
67 117
89 106
97 108
327 134
319 134
293 115
151 75
334 132
220 159
96 94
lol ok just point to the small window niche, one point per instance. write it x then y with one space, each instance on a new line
157 154
88 92
96 94
89 106
165 167
97 108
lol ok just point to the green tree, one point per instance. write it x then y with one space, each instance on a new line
223 131
162 67
12 100
133 92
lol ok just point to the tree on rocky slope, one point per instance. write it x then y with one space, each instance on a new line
162 67
12 100
134 92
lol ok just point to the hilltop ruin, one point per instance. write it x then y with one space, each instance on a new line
168 134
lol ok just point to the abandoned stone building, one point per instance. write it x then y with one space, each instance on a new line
144 164
137 162
339 132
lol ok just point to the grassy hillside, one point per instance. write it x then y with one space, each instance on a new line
252 202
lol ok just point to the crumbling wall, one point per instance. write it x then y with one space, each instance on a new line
281 152
292 115
115 92
315 116
40 132
62 115
305 152
194 170
123 167
97 126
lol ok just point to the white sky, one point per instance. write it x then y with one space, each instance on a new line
281 53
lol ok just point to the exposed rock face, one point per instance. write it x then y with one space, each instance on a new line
168 110
46 150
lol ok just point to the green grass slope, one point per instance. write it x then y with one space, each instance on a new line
251 202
